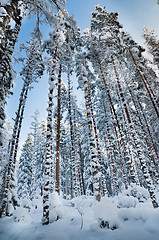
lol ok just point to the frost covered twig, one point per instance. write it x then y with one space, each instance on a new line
81 213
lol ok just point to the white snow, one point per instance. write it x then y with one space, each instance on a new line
57 211
5 2
107 210
125 217
127 201
21 215
2 13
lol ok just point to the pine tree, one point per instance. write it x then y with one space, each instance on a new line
14 10
153 44
104 41
55 46
58 133
96 171
35 157
32 69
65 153
8 37
25 170
4 151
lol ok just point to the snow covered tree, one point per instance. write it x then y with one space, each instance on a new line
82 73
72 108
13 10
153 44
35 157
32 69
55 46
41 158
31 164
65 153
58 133
25 170
4 151
10 10
107 51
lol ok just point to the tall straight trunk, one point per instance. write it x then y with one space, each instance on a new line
16 122
131 148
64 179
128 160
49 152
145 84
82 165
96 169
112 164
74 174
20 126
8 38
137 143
103 181
145 129
119 147
79 177
13 150
148 129
58 133
147 138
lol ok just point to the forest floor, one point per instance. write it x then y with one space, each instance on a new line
128 216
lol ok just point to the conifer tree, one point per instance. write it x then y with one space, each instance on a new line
14 10
36 141
58 133
32 69
4 151
25 170
153 44
82 73
104 42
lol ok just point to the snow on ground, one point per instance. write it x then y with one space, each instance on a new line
128 216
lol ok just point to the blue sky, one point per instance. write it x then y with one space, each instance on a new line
133 14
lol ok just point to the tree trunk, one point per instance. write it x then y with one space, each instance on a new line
145 84
103 181
13 149
149 142
8 38
74 173
58 133
112 164
132 175
80 183
137 143
93 149
49 152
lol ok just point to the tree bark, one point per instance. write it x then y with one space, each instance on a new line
58 133
146 174
132 175
49 152
145 84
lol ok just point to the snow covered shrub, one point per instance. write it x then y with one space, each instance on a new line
127 202
138 192
21 215
106 213
56 208
25 203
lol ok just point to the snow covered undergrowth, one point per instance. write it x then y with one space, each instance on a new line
129 215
